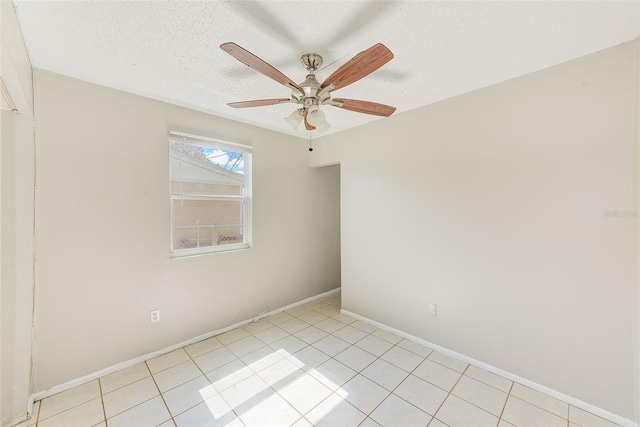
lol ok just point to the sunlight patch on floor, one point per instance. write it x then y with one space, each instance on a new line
243 389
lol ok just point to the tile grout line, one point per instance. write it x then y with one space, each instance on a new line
489 385
376 358
38 416
159 391
137 404
162 394
503 406
104 411
367 415
237 415
448 392
411 373
333 392
506 401
275 392
539 407
473 404
198 366
372 362
392 391
303 416
61 412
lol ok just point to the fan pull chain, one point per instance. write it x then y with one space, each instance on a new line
310 148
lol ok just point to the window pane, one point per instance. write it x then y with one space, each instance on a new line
200 169
210 195
201 223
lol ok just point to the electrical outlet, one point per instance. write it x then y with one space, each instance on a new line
155 316
433 310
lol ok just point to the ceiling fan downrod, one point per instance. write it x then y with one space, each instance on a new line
312 92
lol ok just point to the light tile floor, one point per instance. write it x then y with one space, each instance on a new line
307 366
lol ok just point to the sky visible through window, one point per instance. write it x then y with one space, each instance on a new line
229 160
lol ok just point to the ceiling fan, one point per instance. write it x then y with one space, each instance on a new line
311 94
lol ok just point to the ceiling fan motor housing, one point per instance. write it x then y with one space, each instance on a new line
312 95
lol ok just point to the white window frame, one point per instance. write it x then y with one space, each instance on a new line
247 151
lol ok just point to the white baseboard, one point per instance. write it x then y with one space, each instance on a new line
95 375
535 386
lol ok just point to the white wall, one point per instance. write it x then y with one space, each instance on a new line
103 231
16 222
492 205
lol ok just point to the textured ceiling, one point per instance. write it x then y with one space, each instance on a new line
170 50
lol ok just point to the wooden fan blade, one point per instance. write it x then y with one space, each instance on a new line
359 66
258 64
365 107
258 103
307 124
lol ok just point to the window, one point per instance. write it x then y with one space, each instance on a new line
210 190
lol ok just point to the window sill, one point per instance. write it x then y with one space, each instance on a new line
209 250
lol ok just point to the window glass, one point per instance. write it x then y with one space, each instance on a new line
210 195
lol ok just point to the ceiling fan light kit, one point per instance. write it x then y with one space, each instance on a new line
294 119
317 119
311 94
